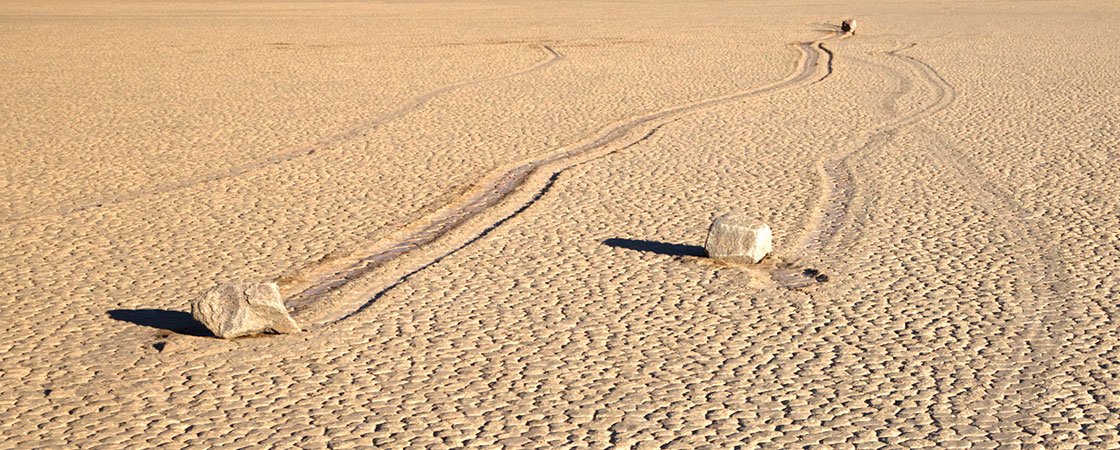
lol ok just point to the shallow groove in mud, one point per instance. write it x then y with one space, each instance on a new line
1036 316
1040 303
500 184
839 186
828 52
363 128
486 231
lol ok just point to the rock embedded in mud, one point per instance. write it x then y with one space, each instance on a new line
737 238
242 309
848 26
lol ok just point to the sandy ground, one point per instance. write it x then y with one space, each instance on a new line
953 168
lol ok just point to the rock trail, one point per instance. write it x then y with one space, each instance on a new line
531 178
361 129
1036 321
836 177
828 52
971 252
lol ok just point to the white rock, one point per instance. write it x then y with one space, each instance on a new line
848 26
242 308
735 237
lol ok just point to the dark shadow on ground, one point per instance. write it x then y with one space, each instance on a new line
827 27
661 248
174 321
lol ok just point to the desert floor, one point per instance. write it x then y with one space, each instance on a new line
532 182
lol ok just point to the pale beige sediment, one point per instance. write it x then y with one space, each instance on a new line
945 319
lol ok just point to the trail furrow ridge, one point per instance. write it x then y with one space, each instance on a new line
492 201
1041 324
363 128
839 184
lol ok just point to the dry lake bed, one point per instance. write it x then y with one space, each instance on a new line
488 218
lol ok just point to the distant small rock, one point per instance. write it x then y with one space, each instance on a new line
737 238
848 26
242 309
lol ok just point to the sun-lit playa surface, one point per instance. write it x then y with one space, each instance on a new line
488 218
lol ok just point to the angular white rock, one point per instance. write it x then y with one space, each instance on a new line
735 237
848 26
242 308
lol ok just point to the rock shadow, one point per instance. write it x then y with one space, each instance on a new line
661 248
827 27
174 321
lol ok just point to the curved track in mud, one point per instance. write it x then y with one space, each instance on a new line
831 56
1040 306
1035 318
499 196
362 128
836 178
1036 312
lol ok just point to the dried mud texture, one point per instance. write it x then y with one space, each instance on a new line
531 177
950 169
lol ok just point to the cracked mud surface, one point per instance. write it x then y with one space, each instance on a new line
952 175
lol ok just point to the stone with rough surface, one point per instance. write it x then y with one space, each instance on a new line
242 309
736 238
